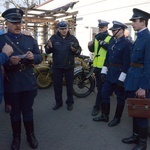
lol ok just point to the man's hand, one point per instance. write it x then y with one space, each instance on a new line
103 77
73 49
7 49
90 43
120 86
14 60
140 93
29 55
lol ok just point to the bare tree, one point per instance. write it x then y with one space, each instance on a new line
23 3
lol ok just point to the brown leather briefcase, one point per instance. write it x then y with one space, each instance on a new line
138 107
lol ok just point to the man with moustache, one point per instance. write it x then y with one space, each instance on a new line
20 86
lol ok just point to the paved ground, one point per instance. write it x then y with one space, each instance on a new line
69 130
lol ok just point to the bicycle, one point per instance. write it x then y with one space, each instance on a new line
84 79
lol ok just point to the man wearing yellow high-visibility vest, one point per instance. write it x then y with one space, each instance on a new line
99 47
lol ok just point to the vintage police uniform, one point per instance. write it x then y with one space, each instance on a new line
99 47
63 64
138 76
118 58
20 82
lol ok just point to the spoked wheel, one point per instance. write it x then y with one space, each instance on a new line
83 88
44 80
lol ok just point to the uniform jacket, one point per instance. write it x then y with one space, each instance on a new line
3 58
17 81
140 54
63 57
118 53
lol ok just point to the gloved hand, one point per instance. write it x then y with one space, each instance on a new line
119 86
103 77
101 42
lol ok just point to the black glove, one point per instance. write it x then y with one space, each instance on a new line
103 77
119 86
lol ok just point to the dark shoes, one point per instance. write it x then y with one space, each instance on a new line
95 111
32 141
16 143
57 106
69 107
103 118
142 145
114 122
131 140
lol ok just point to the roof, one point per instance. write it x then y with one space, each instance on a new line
43 13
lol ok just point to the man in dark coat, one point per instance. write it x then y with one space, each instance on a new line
64 48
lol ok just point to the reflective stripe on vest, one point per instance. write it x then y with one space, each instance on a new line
100 57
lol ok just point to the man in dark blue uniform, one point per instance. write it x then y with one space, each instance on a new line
64 47
137 83
99 47
20 82
118 59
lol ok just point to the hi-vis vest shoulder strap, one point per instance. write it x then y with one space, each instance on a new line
99 53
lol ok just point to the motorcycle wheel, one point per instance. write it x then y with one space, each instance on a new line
82 88
44 80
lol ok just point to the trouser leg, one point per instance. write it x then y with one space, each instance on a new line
142 133
69 85
58 78
105 113
99 85
29 127
16 129
134 137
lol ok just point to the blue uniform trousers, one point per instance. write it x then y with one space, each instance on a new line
99 85
107 90
21 103
58 75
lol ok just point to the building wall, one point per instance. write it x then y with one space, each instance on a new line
92 10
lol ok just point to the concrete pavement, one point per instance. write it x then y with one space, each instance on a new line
69 130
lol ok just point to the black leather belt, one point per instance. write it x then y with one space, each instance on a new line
115 65
132 64
19 67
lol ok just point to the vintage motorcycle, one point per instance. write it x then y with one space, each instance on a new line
43 74
84 79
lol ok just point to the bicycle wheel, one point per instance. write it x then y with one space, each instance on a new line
83 87
44 80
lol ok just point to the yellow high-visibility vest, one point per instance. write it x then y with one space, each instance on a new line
100 55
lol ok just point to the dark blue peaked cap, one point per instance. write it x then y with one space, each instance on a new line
62 24
102 23
13 15
137 14
118 25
